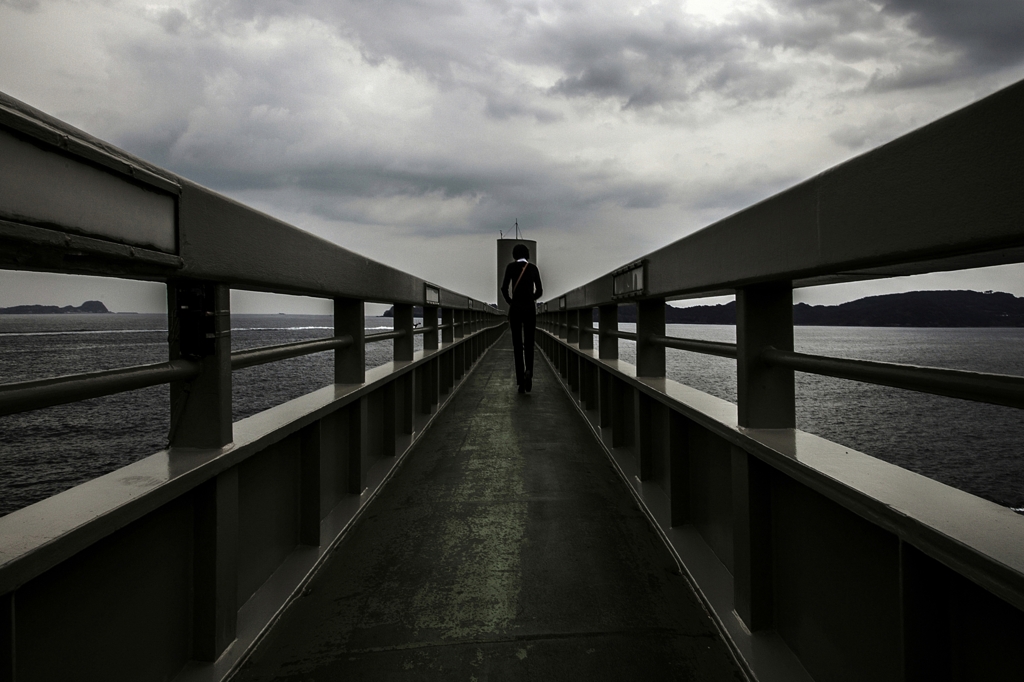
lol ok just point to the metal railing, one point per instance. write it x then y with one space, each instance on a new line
756 509
201 545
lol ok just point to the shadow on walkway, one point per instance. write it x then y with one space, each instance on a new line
506 548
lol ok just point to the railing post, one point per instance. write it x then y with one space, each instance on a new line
403 353
649 416
428 392
7 643
679 468
765 396
310 468
215 567
458 359
447 336
650 321
585 320
430 327
403 322
199 326
350 368
350 362
608 346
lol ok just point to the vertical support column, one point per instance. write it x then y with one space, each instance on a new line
752 551
585 320
430 327
447 336
448 322
350 368
573 330
650 433
199 328
350 362
650 362
389 418
608 346
429 369
471 342
403 352
358 446
764 317
606 390
459 359
199 325
679 468
765 394
403 322
215 567
310 453
925 617
650 321
7 647
623 401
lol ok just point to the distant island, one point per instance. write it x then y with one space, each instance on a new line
87 307
911 309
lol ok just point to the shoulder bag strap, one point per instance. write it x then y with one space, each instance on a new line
519 279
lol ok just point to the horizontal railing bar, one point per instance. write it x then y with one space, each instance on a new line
725 350
618 334
385 336
261 356
35 395
997 389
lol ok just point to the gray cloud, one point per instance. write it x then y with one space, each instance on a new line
988 31
438 119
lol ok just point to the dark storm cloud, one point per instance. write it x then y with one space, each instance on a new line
988 31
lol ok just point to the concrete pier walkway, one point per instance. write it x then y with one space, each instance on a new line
506 548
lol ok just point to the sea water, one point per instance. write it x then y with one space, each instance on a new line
971 446
46 451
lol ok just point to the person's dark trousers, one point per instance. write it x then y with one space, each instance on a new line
523 325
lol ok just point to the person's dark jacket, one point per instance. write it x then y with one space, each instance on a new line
521 296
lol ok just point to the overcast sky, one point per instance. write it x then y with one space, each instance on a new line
412 131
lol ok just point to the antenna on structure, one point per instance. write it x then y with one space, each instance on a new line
517 229
501 235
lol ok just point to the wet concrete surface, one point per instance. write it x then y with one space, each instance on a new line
506 548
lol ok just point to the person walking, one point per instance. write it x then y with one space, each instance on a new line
521 288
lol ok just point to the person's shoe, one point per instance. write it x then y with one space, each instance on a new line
528 382
522 388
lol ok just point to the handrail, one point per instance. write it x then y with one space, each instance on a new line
385 336
37 394
725 350
33 395
629 336
261 356
997 389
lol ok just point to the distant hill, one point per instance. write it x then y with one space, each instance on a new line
911 309
87 307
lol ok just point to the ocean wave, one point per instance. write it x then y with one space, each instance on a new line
75 332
